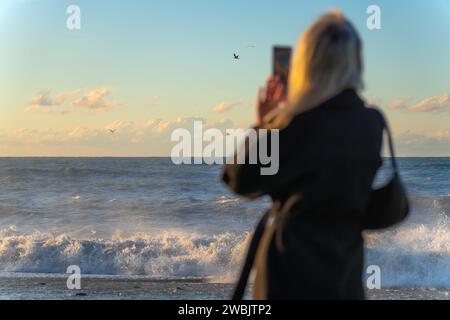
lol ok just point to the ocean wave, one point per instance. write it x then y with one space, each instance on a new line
415 254
226 200
170 254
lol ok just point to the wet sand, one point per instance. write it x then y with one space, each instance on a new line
54 288
110 288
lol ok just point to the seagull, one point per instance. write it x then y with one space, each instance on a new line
235 56
112 130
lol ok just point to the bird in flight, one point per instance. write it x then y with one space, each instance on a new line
112 130
235 56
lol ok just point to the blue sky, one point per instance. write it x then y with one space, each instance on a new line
151 65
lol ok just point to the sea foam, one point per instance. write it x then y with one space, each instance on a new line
415 254
167 255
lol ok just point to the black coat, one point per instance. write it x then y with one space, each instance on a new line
328 160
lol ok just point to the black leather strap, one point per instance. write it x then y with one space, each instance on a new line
390 144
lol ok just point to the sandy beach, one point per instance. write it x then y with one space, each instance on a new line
54 287
40 287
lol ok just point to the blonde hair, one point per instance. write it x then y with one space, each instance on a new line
327 60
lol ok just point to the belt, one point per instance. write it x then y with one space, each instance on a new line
279 217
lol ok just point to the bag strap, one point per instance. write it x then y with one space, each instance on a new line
390 143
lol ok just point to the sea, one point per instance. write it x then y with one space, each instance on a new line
147 217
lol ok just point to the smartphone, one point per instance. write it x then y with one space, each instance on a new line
282 62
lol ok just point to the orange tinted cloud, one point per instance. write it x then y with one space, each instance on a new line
439 103
96 100
43 102
224 107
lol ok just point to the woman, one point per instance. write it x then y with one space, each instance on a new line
329 153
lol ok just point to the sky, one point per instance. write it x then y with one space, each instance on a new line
144 68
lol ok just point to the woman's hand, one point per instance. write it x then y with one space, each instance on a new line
269 97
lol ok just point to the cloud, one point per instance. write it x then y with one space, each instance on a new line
42 99
147 137
441 134
37 136
373 101
409 143
95 100
224 107
151 137
433 104
398 104
161 127
79 133
158 131
42 102
149 123
61 98
120 125
139 132
222 124
36 108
